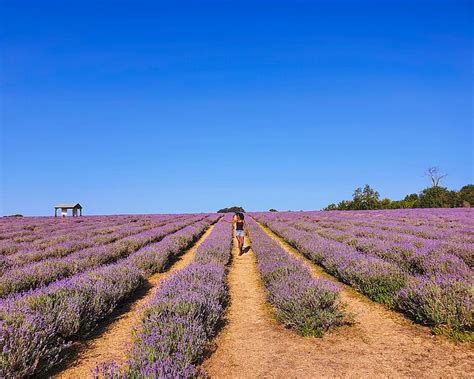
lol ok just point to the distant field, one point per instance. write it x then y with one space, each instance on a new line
147 295
418 261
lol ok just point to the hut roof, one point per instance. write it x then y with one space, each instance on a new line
68 205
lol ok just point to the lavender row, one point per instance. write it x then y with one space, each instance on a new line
29 252
455 224
344 229
16 228
453 229
46 271
73 245
308 305
37 228
47 239
373 276
182 317
411 255
399 241
35 328
53 229
440 300
67 233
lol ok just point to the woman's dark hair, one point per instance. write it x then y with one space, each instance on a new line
240 215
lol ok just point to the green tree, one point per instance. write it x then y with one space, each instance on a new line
439 197
386 203
365 198
231 210
410 201
466 194
272 210
343 205
432 197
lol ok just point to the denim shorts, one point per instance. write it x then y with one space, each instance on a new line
239 233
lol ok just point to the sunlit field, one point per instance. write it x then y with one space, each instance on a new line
62 279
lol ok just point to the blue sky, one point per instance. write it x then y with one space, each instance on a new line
150 107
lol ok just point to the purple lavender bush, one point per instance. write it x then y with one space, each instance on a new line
36 327
440 302
18 279
414 260
308 305
179 321
181 318
373 276
216 247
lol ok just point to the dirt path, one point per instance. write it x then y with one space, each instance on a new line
382 342
113 340
252 344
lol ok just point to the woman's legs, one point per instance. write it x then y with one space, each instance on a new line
240 241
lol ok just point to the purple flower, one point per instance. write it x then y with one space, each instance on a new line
181 318
36 326
419 261
308 305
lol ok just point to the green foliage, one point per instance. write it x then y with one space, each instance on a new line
431 197
273 210
386 203
363 198
331 207
343 205
466 194
456 335
15 215
410 201
439 197
366 198
231 210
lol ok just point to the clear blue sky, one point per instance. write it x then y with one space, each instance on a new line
150 107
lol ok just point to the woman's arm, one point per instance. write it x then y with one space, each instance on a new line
230 222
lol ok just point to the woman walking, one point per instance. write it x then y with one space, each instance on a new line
240 229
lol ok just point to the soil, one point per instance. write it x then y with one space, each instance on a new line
114 338
380 343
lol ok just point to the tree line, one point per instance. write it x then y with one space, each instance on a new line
434 196
233 209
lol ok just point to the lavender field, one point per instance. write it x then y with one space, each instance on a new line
83 269
61 279
417 261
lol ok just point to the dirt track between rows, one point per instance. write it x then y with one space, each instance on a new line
112 340
381 343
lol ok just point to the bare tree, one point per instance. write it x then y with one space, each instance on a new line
435 176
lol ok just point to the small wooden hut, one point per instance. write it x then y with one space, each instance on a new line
76 209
